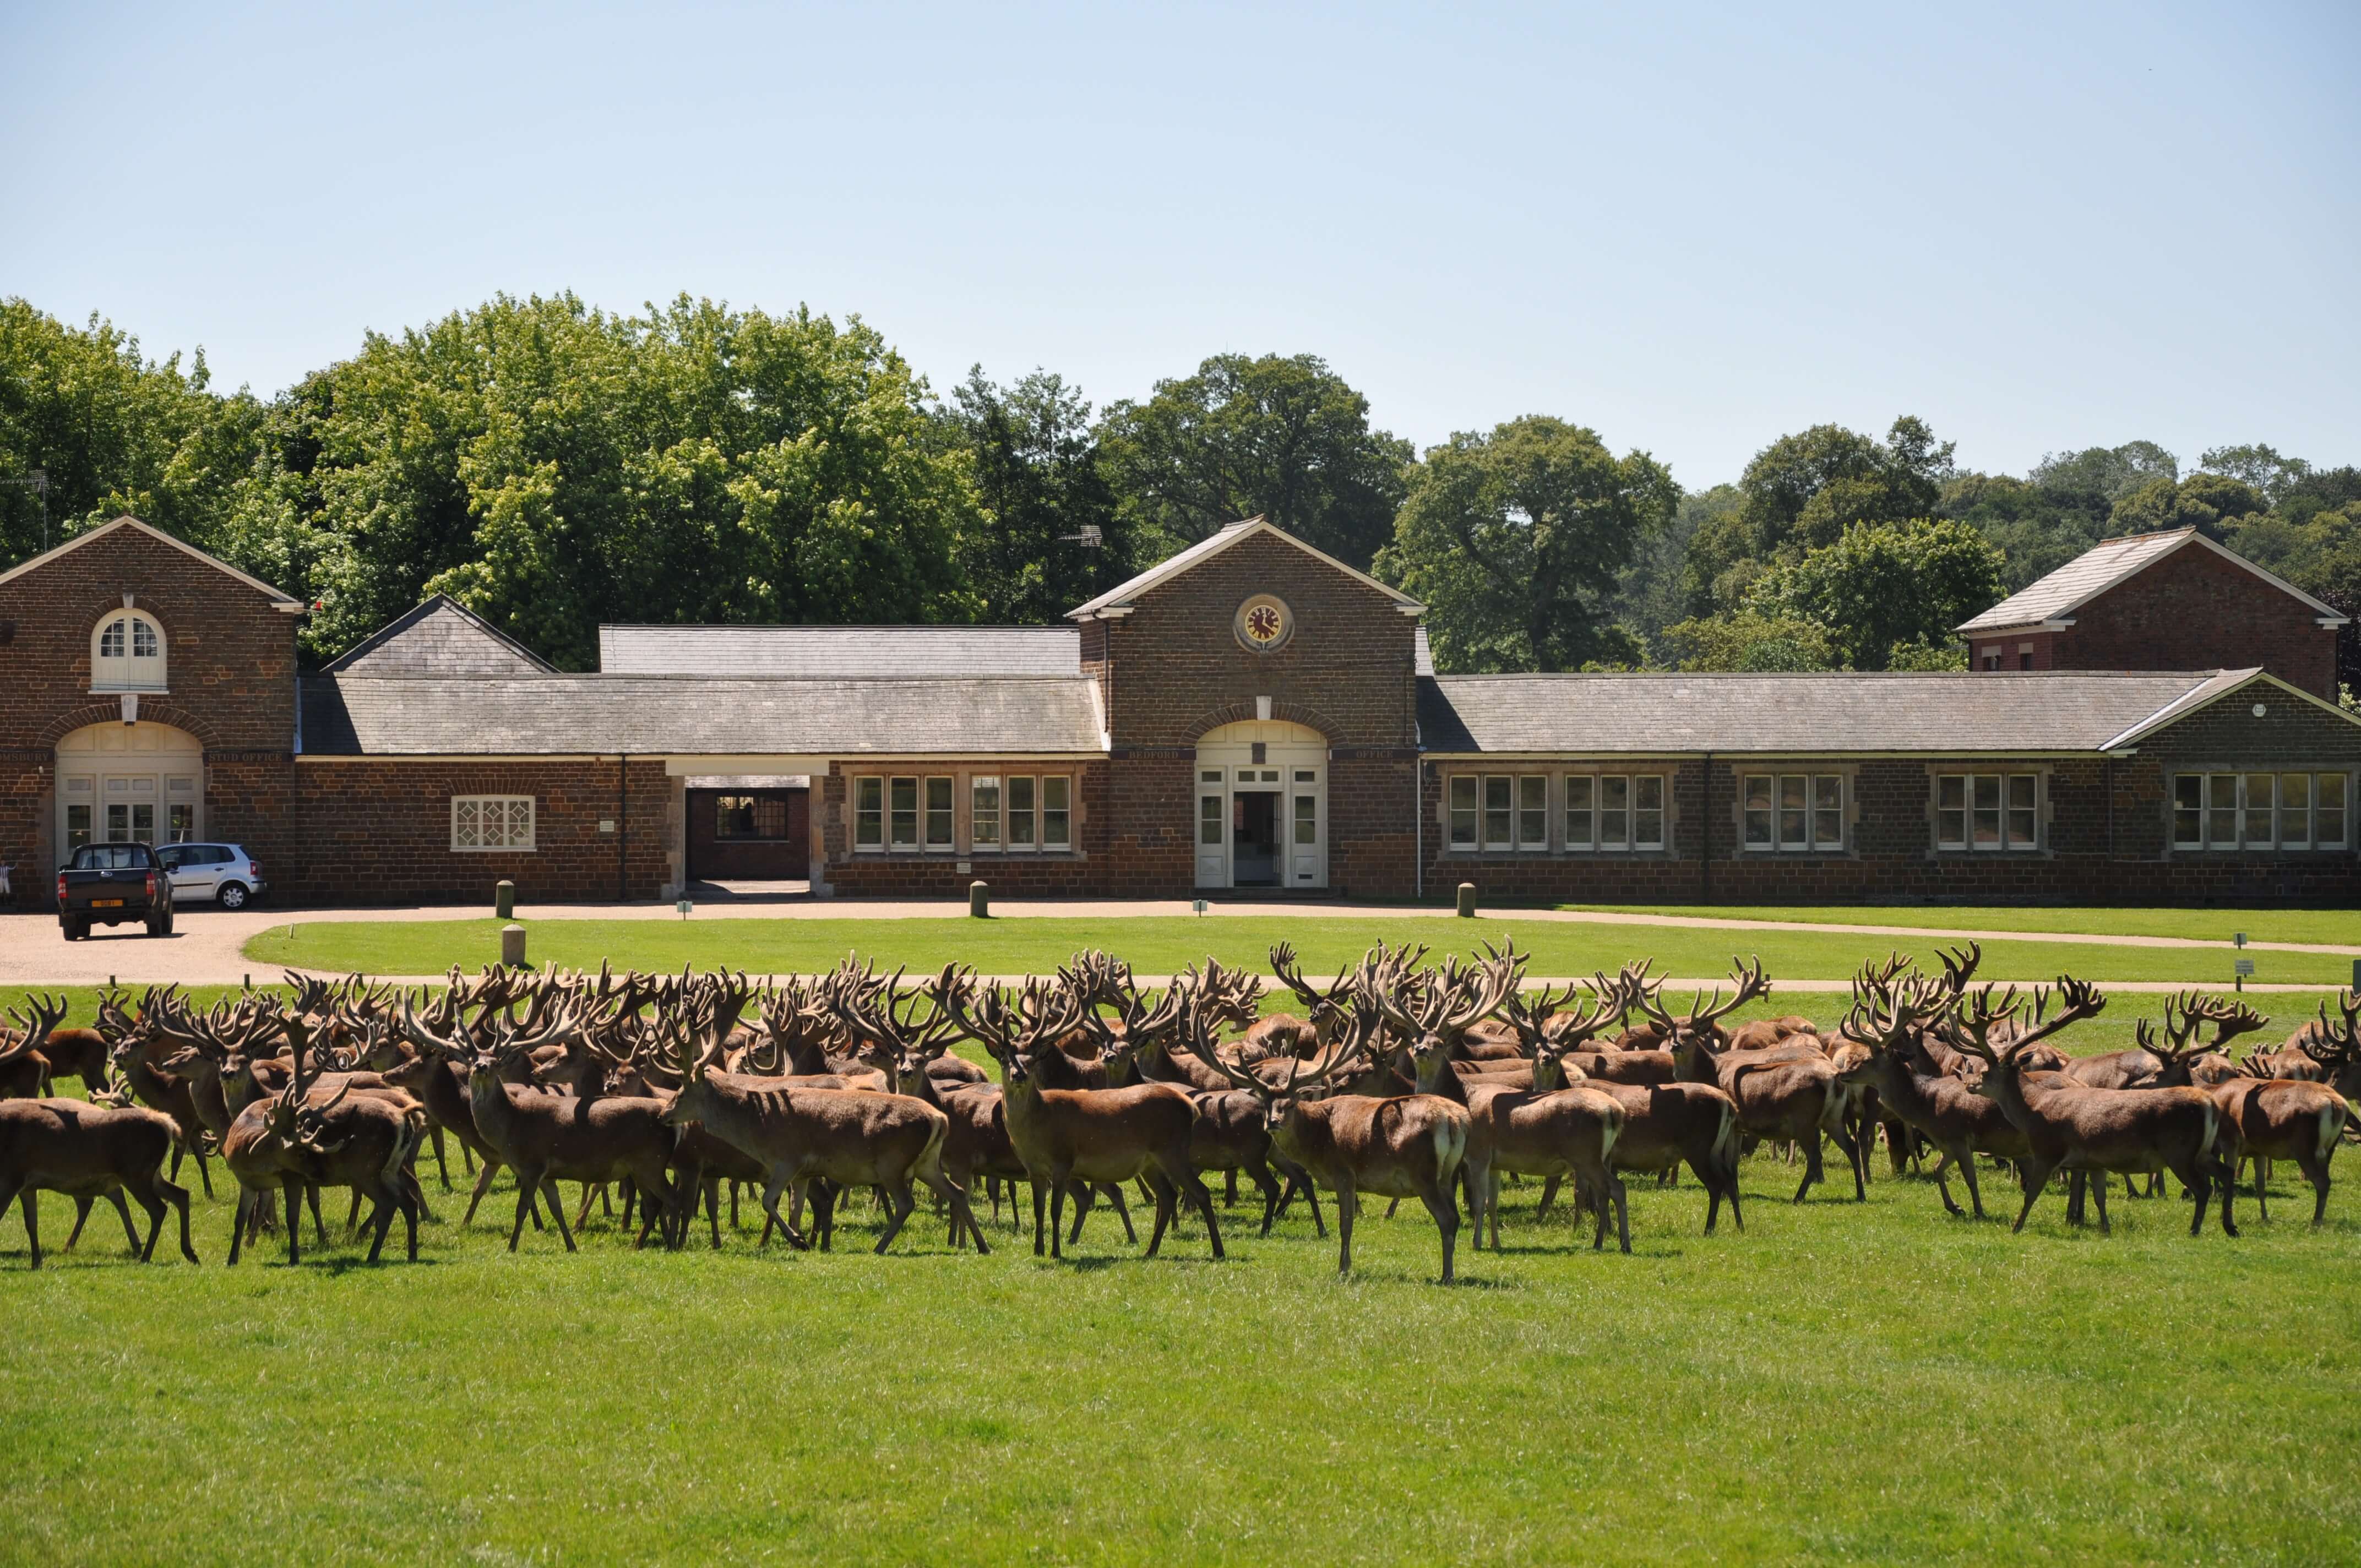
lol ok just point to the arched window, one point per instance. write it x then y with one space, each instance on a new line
127 654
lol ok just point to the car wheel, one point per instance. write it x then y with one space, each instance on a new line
75 930
231 895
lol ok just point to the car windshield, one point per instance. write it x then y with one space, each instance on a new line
111 858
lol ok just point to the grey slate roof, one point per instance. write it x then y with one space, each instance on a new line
2108 563
346 715
805 651
1946 715
440 638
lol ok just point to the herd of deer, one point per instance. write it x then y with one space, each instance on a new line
1398 1079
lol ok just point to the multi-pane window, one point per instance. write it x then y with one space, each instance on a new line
869 813
1022 816
129 655
1581 808
1648 811
1209 819
2259 811
1057 812
1532 811
749 817
902 814
1498 812
1987 811
938 812
984 812
1614 812
1462 811
1791 811
491 822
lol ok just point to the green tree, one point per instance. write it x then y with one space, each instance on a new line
1514 540
1284 438
1882 583
1804 491
1747 640
2259 467
2208 502
555 466
112 432
1038 475
2112 472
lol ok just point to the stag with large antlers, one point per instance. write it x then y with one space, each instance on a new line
2093 1129
1404 1145
1664 1124
1889 1020
86 1151
1789 1091
1098 1136
1559 1129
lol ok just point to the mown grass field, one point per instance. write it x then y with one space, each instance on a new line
2328 927
1163 945
1841 1381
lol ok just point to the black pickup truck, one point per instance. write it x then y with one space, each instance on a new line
114 884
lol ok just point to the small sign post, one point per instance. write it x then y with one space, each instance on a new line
684 906
1199 906
2244 967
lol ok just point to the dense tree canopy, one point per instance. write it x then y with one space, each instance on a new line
1514 540
555 466
1283 438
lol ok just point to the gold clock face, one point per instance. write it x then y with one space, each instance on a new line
1264 623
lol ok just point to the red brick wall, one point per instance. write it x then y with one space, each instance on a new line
2194 610
1177 667
230 667
379 832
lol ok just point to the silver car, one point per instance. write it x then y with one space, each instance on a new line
223 873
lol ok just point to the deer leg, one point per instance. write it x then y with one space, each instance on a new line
312 1196
1391 1207
483 1185
381 1209
2032 1175
1167 1204
523 1199
1968 1171
953 1197
1267 1185
712 1185
244 1218
353 1215
1179 1173
2315 1170
31 1205
1549 1196
1443 1204
583 1218
2099 1197
1349 1203
10 1194
1057 1214
557 1211
1230 1188
154 1208
125 1214
903 1200
776 1184
2207 1173
204 1173
442 1167
1943 1185
414 1199
1041 1204
1811 1167
1122 1213
291 1188
1622 1211
1084 1196
81 1217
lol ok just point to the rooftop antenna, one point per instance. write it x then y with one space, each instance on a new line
1089 538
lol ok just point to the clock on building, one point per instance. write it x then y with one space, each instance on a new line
1264 623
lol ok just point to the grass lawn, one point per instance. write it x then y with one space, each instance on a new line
1163 944
2329 927
1839 1381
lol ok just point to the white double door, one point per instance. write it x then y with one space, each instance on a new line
128 784
1262 810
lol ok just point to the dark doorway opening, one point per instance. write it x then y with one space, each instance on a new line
1253 838
750 835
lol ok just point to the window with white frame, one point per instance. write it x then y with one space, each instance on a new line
1988 811
491 822
902 813
869 813
1463 813
1022 815
1500 810
127 654
983 813
2259 811
1057 812
938 812
1614 811
1791 811
1532 811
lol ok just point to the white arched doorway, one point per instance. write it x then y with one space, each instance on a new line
129 783
1262 806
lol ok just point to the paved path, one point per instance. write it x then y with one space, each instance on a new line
205 949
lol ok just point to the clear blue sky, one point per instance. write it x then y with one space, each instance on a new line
1693 228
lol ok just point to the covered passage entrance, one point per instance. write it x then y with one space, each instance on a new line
1262 806
129 783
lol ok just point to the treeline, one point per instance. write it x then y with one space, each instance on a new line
555 466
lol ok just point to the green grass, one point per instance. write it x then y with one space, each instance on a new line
1163 944
2328 927
1839 1381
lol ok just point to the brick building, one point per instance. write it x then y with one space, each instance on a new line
1249 715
